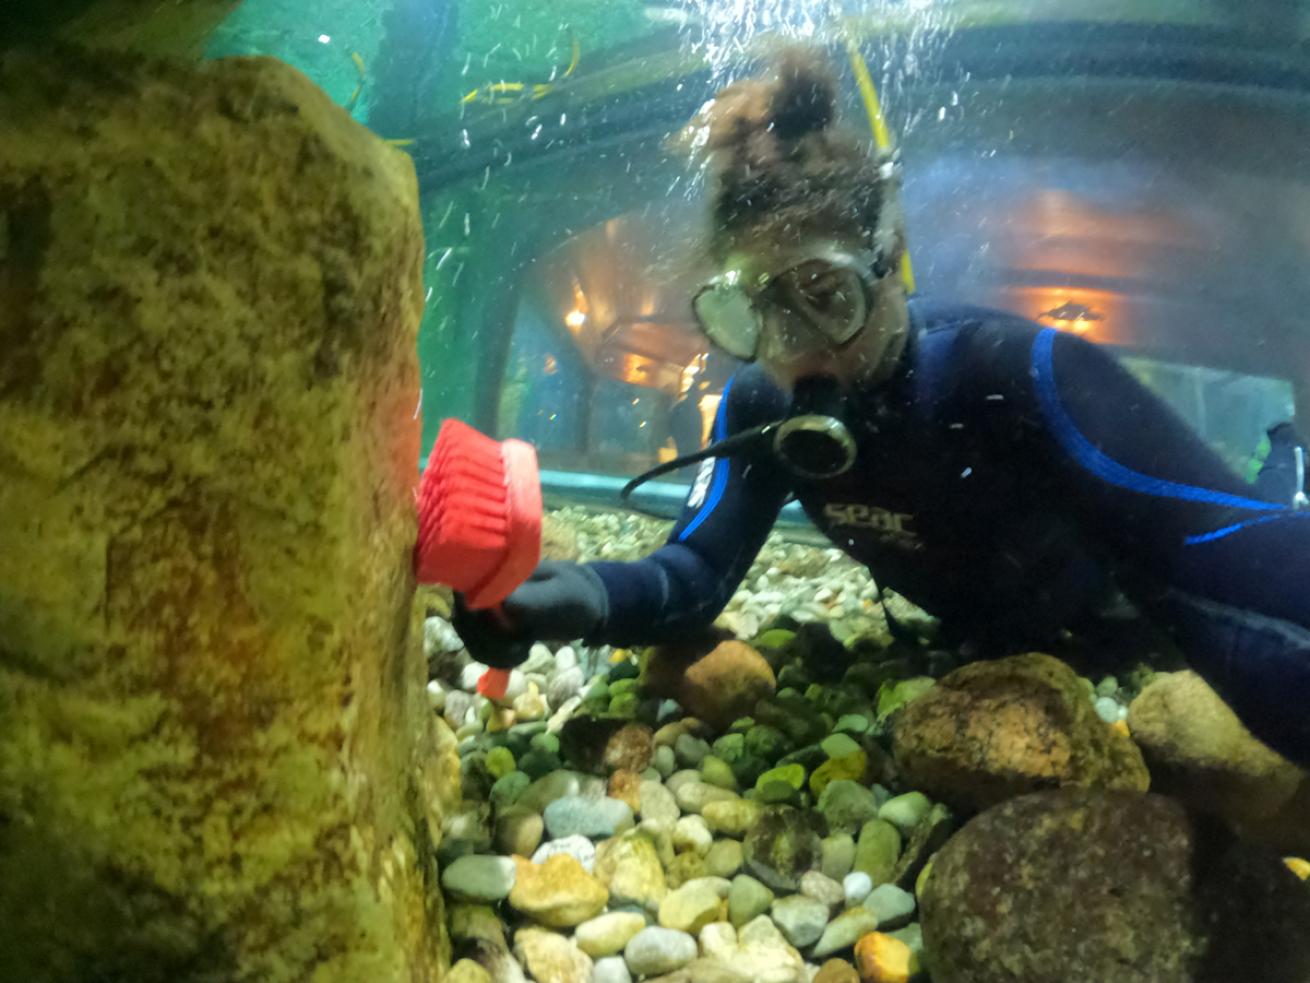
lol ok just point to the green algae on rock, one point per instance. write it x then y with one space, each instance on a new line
215 744
1089 884
992 730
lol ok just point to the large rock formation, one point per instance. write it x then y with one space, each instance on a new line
1083 884
993 730
1199 751
216 759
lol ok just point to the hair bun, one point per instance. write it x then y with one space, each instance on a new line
804 94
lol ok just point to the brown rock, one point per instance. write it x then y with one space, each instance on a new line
630 748
1149 891
717 686
557 893
214 742
837 971
993 730
1200 752
626 787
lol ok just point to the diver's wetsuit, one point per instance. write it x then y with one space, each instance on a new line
1004 472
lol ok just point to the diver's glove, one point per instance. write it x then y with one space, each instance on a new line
559 601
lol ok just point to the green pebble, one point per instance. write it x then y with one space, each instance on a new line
500 762
622 686
852 723
599 690
742 725
793 775
548 743
793 677
905 811
627 669
776 793
625 705
508 788
774 638
538 764
748 768
729 747
816 693
767 742
716 771
839 746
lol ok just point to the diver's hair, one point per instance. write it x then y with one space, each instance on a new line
780 167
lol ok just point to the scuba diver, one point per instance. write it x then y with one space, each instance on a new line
1004 476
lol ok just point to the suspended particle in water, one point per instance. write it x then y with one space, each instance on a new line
536 133
468 59
466 223
442 262
941 113
464 138
563 118
458 270
486 176
450 207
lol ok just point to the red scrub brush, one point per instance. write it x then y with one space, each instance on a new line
479 522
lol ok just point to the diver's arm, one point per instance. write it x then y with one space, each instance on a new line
730 509
1229 573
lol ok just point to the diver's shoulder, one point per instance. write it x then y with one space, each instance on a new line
933 315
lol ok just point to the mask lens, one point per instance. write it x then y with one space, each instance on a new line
831 297
727 315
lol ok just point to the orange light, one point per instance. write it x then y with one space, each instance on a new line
575 319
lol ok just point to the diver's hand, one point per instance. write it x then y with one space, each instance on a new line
560 601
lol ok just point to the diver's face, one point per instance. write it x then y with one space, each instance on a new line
792 347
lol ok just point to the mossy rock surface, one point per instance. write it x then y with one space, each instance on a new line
1086 884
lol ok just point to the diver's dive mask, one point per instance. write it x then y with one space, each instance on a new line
830 291
811 443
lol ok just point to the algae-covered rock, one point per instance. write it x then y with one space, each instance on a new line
782 845
216 754
993 730
1086 884
1200 752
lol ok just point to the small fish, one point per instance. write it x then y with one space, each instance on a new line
505 93
358 59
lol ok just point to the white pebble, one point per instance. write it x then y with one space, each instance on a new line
857 886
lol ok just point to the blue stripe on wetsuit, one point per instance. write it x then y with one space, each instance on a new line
1111 471
721 467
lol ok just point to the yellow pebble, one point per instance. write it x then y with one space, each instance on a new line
883 959
1299 867
850 766
1120 727
617 656
921 881
502 719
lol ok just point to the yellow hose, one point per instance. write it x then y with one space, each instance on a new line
882 137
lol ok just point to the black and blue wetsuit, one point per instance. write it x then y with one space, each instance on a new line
1005 474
